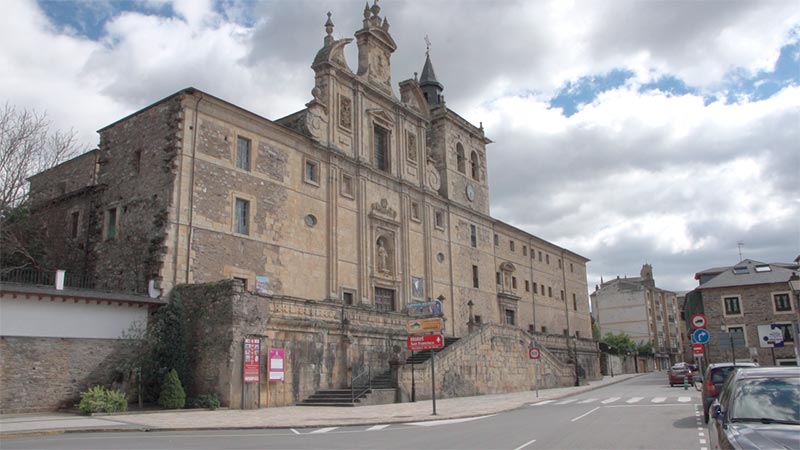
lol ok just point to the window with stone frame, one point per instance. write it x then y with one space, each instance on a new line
243 281
786 328
496 239
478 320
510 317
74 223
438 219
242 153
782 302
513 282
574 302
511 245
737 332
475 279
415 211
348 296
544 329
524 250
540 256
384 299
732 306
382 161
411 146
241 220
311 172
475 166
571 267
110 224
473 235
535 288
550 291
461 163
527 286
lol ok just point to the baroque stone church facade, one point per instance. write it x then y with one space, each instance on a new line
361 199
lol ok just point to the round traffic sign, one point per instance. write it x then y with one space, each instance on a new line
700 336
697 349
534 353
699 321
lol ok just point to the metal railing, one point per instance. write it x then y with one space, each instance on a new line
365 377
28 276
73 280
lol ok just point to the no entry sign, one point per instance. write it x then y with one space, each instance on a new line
697 349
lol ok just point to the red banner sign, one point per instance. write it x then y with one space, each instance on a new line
697 349
252 360
426 342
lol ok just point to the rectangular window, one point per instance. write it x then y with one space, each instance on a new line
535 288
787 331
312 172
514 282
524 250
478 319
497 277
347 297
559 263
527 286
243 281
738 334
384 299
511 245
550 291
347 185
540 256
547 259
381 148
571 267
562 295
782 303
475 280
496 239
242 217
732 306
75 218
577 334
473 235
566 332
574 302
438 220
510 319
544 329
111 224
242 153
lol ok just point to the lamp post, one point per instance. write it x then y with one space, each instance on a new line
794 283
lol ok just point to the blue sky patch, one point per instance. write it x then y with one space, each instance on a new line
586 89
88 17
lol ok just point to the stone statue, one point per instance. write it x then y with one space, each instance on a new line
383 257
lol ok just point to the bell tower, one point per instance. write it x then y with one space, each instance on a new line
375 48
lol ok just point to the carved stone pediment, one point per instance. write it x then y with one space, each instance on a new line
383 208
507 267
381 116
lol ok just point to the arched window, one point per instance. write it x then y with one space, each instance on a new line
460 158
476 171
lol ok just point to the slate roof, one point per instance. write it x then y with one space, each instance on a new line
778 273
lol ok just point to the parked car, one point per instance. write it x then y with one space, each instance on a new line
715 377
677 372
757 409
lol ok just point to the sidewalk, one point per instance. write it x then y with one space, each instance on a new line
288 416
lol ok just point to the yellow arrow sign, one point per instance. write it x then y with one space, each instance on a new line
420 326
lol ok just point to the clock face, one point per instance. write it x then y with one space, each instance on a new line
470 192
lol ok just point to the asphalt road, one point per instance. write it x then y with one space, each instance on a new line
640 413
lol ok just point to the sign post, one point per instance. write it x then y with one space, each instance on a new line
535 354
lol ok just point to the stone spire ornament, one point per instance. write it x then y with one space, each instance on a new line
329 30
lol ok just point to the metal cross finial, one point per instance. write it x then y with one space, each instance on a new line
427 45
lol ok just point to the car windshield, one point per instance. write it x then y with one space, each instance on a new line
767 399
718 376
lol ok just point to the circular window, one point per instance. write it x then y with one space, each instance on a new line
311 220
440 257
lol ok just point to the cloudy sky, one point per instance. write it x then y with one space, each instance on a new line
629 131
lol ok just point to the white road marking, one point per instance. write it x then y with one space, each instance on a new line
323 430
702 441
377 427
701 434
609 400
294 431
658 399
564 402
684 399
525 444
434 423
542 403
584 415
588 400
634 400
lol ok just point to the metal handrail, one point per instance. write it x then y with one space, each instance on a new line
355 394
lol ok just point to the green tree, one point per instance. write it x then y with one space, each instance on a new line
168 349
172 393
644 348
619 344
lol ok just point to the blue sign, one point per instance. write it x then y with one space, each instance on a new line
700 336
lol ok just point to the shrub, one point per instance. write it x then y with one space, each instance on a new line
172 394
99 399
209 401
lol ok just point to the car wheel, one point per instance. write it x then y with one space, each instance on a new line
705 415
671 385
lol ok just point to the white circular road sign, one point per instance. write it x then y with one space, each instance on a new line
699 321
534 353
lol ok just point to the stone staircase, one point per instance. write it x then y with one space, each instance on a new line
347 396
421 356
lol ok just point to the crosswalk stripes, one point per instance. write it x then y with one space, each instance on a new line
377 427
323 430
611 400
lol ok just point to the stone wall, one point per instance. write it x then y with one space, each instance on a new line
56 371
492 360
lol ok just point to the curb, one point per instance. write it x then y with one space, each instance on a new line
332 423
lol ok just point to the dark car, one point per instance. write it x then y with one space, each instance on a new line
715 377
759 408
677 372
